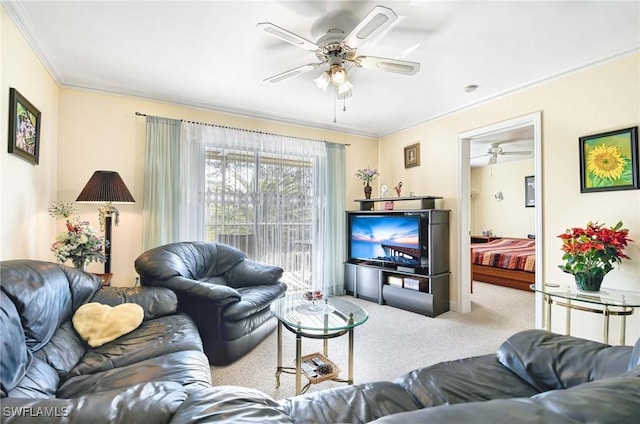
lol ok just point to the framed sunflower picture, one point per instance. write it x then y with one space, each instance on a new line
609 161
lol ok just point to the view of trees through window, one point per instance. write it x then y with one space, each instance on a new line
261 203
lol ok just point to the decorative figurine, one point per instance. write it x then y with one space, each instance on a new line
398 188
383 191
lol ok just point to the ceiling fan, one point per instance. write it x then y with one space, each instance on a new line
495 150
334 49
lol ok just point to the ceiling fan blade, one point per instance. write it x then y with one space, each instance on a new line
287 36
521 152
479 156
378 19
390 65
292 72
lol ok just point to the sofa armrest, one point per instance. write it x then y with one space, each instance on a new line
249 273
219 294
550 361
155 301
148 402
230 405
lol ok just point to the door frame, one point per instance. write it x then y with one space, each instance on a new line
464 197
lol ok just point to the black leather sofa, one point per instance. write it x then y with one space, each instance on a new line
536 377
227 295
49 374
158 373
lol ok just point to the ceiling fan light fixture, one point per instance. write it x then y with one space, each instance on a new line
345 87
323 81
338 75
344 94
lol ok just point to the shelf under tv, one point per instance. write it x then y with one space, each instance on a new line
426 202
391 266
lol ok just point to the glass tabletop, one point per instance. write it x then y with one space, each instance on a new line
608 297
332 314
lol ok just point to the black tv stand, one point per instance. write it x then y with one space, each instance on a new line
423 289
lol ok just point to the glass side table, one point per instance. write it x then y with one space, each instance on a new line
606 302
325 319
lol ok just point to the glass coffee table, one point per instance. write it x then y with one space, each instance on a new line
606 302
325 319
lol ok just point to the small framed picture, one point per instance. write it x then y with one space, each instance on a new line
530 191
412 155
24 127
609 161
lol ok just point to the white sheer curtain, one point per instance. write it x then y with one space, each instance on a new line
262 193
279 199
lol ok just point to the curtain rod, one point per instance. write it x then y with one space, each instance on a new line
242 129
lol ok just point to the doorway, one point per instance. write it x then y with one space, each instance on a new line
465 139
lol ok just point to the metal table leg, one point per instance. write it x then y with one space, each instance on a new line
279 350
298 362
350 378
605 314
548 311
567 321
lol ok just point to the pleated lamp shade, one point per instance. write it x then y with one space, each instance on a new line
105 186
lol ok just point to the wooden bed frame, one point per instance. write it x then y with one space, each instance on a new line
503 277
513 278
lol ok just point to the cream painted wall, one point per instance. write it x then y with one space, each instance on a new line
585 102
101 131
27 190
508 217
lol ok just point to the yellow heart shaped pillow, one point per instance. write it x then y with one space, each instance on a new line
98 324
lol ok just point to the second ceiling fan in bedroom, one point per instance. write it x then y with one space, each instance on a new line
335 50
495 150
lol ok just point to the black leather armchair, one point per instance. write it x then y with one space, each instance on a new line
227 295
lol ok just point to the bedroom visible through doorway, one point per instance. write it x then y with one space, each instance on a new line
496 162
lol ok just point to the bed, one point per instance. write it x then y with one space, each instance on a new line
507 262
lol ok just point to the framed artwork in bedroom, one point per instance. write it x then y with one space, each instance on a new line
530 191
24 128
609 161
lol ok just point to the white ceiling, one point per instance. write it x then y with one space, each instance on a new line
208 54
516 140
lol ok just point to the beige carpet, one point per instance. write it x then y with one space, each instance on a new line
393 342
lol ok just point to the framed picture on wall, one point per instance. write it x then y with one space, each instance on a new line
412 155
609 161
24 127
530 191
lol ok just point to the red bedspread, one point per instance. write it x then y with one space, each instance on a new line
506 253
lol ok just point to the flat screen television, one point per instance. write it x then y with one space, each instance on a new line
389 239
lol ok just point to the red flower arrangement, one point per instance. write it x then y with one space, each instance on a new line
591 252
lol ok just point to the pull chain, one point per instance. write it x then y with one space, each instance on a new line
334 105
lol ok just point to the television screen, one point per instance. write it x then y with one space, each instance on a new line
389 238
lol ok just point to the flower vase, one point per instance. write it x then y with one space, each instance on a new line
589 281
367 191
80 263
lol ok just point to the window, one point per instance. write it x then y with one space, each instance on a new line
262 203
280 199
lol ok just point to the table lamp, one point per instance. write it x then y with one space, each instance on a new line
108 187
